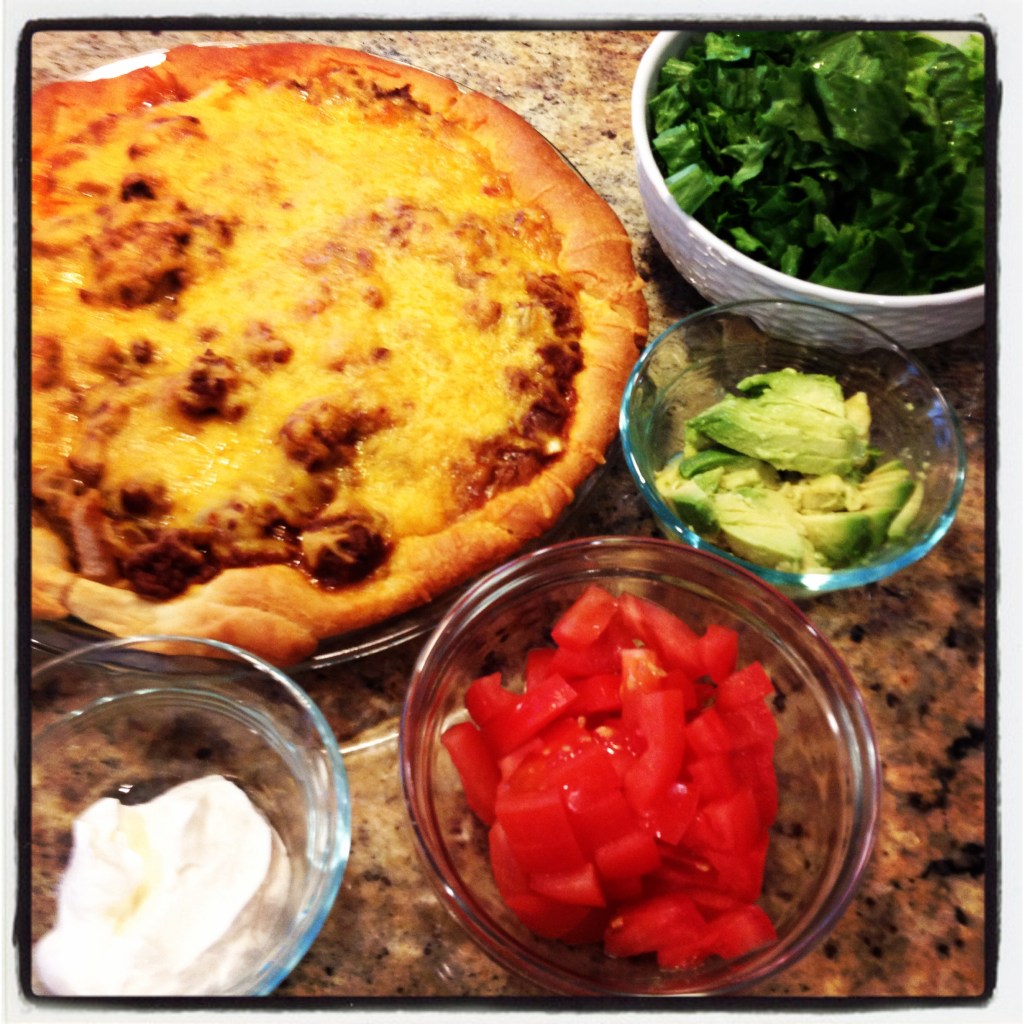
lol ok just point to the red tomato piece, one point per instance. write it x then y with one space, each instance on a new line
566 759
579 886
712 775
612 735
676 644
688 951
746 685
477 769
623 890
630 856
538 707
719 648
585 619
739 873
487 697
653 922
730 823
675 679
641 671
754 766
600 656
539 832
659 717
740 931
707 734
668 818
598 814
589 930
749 724
597 694
538 665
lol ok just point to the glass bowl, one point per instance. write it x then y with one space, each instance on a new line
697 361
826 760
117 720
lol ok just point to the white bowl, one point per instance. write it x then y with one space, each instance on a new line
723 274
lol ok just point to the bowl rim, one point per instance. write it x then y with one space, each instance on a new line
664 45
863 753
805 583
319 897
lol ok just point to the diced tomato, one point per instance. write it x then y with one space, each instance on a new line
746 685
719 648
477 769
712 775
649 924
612 735
740 931
508 728
598 814
667 819
585 619
597 694
623 890
676 644
538 665
487 697
707 734
538 829
579 886
754 766
750 724
566 760
543 916
629 856
629 789
730 823
675 679
641 671
739 873
687 951
589 929
659 718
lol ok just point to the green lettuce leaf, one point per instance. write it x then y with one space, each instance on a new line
851 159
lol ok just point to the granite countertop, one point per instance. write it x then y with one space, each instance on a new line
915 644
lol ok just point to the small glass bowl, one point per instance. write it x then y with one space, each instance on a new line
116 719
826 760
697 361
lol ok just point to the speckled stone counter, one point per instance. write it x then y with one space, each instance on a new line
915 644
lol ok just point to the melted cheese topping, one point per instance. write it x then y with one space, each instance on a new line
301 242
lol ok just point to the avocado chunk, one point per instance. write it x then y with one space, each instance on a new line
842 538
693 505
888 486
827 493
760 526
791 420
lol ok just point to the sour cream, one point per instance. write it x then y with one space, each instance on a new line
168 897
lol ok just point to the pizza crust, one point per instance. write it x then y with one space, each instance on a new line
274 610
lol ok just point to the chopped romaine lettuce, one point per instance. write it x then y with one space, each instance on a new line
852 159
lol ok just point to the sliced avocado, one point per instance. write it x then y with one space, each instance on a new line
694 506
902 520
827 493
817 390
710 458
841 538
761 526
791 420
858 412
889 486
